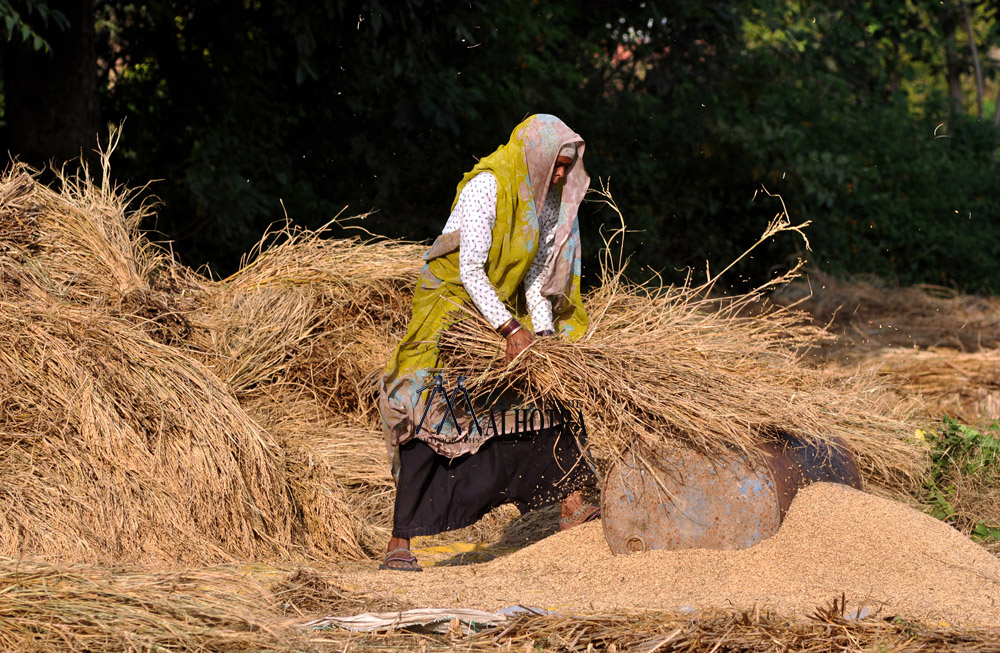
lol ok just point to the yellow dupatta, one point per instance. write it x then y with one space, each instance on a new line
523 169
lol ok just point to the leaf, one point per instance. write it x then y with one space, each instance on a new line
984 532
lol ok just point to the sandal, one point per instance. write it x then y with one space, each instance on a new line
401 559
587 512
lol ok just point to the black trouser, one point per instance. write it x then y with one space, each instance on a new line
435 493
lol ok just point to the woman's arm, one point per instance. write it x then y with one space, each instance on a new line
475 213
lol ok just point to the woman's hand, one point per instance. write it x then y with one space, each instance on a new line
518 342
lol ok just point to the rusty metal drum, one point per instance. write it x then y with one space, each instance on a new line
677 498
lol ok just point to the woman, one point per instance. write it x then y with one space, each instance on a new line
511 242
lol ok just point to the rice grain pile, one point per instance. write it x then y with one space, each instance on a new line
880 554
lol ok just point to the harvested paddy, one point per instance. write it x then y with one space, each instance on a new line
881 555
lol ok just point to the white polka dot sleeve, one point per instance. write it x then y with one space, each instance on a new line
539 306
475 214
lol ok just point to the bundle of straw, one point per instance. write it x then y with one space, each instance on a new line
79 608
672 363
120 448
312 311
86 243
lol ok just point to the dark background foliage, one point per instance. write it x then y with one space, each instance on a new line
867 118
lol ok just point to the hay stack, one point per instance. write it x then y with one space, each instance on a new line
120 448
867 313
339 482
310 311
117 447
145 394
965 386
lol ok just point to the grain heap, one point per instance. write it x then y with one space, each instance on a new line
880 554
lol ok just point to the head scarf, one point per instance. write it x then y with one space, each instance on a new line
523 168
544 137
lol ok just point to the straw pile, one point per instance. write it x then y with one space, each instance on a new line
117 447
869 313
926 341
965 386
341 489
309 311
152 414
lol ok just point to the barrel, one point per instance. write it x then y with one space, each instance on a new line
678 498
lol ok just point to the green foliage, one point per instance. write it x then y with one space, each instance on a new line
910 199
14 25
852 129
245 111
961 452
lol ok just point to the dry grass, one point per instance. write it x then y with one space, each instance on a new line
117 447
965 386
869 313
313 311
340 486
123 374
77 608
670 362
827 629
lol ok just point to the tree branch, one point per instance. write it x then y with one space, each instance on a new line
975 56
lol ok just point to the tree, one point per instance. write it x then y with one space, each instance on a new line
50 81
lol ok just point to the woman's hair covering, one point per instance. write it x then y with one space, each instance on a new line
544 136
568 151
526 164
